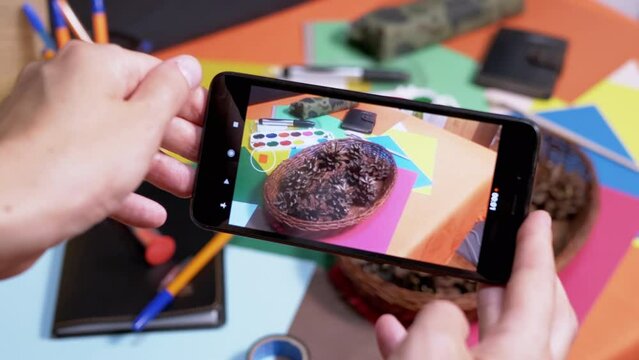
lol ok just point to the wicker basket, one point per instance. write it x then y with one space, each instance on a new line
372 296
286 223
561 159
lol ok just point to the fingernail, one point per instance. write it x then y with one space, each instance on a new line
547 220
190 69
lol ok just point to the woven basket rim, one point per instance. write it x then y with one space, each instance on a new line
271 188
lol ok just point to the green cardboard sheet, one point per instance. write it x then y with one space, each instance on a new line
435 67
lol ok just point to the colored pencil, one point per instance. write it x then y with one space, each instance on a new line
166 296
73 21
37 25
62 34
100 25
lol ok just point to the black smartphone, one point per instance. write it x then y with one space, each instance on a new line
431 188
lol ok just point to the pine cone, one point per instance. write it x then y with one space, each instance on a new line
365 192
561 193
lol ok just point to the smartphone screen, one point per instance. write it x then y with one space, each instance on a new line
355 176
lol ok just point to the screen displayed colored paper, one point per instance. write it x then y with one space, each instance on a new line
422 150
375 233
620 106
404 163
249 181
589 122
443 70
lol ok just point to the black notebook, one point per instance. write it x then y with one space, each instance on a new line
523 62
105 280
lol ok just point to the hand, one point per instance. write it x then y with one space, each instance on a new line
531 318
78 135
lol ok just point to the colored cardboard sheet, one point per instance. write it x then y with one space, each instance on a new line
436 67
421 150
597 39
281 38
586 275
29 301
610 331
322 259
589 122
375 233
388 143
627 75
210 68
273 39
324 308
620 107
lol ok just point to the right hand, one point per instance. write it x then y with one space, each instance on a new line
531 318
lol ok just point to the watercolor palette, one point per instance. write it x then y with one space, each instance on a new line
288 139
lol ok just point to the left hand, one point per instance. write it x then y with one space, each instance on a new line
78 135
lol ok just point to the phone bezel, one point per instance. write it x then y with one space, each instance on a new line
514 173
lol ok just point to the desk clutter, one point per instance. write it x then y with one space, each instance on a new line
582 189
106 280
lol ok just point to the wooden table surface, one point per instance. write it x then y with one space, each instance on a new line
19 44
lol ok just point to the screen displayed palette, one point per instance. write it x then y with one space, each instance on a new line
288 139
336 182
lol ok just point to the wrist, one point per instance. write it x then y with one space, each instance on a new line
33 214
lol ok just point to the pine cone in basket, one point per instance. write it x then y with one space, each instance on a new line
560 192
418 281
326 186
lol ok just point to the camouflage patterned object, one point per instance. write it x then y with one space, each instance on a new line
391 31
311 107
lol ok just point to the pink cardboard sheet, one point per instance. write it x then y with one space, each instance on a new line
376 232
586 275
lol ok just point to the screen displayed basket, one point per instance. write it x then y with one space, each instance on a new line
565 185
333 174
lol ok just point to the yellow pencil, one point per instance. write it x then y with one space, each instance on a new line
166 296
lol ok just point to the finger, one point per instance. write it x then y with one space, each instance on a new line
530 293
438 332
182 137
195 106
127 68
137 210
171 175
165 89
390 333
564 326
489 305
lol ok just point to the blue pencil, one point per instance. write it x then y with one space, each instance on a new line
38 26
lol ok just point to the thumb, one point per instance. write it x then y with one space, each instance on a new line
165 89
438 332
